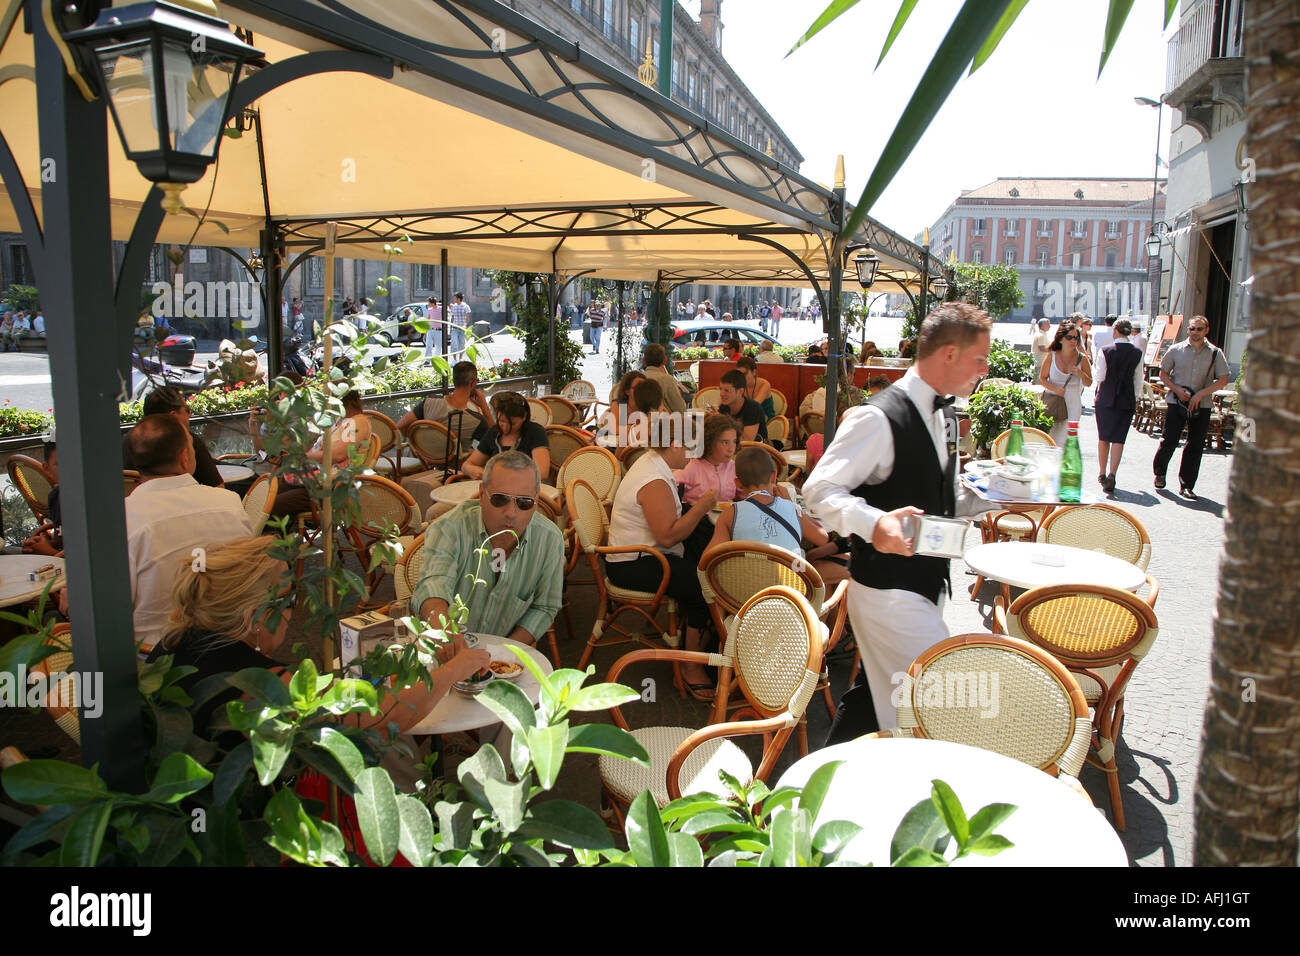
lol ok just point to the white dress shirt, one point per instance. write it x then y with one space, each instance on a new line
1099 369
166 519
863 453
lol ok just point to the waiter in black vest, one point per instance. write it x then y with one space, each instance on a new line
892 458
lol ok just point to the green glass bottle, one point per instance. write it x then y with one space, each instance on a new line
1016 440
1072 466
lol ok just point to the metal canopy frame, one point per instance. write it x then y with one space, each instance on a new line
539 83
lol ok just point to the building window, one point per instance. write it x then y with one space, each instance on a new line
1076 258
692 86
1011 227
1112 258
316 273
1080 228
426 277
608 18
483 281
1044 227
977 255
978 227
1010 257
1043 256
1113 227
157 272
634 38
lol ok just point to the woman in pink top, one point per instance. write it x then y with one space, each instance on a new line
715 470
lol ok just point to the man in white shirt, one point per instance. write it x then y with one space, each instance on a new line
767 353
171 520
1103 337
459 311
777 312
1042 343
894 458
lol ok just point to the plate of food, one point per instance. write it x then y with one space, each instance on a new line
980 468
504 664
473 686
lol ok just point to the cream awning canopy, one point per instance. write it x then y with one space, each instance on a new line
517 150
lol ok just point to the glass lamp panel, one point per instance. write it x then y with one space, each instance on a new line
198 86
128 77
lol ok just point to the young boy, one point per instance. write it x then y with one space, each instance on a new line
763 514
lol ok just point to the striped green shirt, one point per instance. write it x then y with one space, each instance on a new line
525 593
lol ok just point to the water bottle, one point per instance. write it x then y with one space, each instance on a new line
1072 466
1016 440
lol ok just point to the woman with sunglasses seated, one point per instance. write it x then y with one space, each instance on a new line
514 430
216 627
648 513
1066 371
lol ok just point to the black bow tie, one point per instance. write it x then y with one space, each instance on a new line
940 403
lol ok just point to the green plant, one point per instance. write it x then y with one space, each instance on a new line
21 297
537 328
994 287
993 407
922 838
1006 361
15 421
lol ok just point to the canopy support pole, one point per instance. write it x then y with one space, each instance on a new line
272 283
445 279
834 303
74 269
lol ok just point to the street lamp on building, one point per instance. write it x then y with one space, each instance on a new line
865 264
168 73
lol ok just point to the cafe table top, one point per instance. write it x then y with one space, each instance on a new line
234 473
1032 564
14 586
458 712
883 778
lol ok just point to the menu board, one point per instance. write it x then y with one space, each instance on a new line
1154 338
1168 337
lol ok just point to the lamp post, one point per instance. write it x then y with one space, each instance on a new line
1153 239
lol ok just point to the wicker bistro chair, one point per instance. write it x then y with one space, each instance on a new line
259 500
384 504
563 411
1032 436
407 572
583 394
774 651
590 526
778 429
391 461
707 396
734 571
1105 528
539 411
595 465
627 456
811 423
29 478
563 442
1034 710
64 692
1100 635
779 404
433 443
993 381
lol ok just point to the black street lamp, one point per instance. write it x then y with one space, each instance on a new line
1153 246
168 74
865 264
940 287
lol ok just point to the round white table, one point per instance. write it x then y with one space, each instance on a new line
457 712
14 586
1033 564
233 473
884 778
459 491
796 458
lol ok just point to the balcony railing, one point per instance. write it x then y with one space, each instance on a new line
1200 39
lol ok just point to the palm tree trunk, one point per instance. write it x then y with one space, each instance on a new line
1248 788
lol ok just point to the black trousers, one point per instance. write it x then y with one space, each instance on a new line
1198 426
856 714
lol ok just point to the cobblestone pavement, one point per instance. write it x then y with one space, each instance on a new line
1166 696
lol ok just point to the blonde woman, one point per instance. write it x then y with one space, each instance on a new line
216 628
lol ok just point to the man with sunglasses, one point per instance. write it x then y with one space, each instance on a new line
1192 371
523 569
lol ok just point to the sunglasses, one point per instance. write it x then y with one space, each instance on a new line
523 504
1073 338
1199 328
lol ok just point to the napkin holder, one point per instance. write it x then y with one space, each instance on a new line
358 634
1015 480
936 537
41 575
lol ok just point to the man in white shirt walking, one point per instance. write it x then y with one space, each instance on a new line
459 311
894 458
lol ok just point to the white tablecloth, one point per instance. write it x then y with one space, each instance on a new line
884 778
457 712
14 586
1020 564
232 473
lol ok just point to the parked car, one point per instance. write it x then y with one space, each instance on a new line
710 333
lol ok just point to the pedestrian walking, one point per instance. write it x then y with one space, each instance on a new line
459 311
596 318
777 312
764 314
1118 376
1192 371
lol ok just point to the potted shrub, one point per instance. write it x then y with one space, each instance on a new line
993 407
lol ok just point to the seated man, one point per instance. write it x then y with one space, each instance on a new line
656 360
171 520
733 394
524 566
48 538
171 401
463 411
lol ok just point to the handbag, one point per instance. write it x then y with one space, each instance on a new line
1055 406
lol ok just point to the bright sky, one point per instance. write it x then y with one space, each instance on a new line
1036 108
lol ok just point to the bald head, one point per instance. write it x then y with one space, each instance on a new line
161 446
